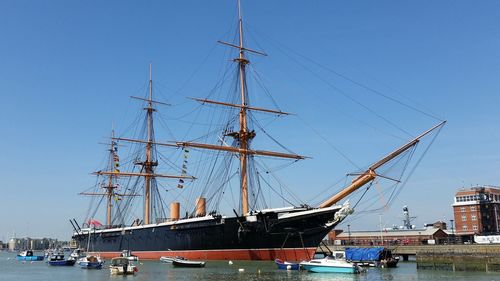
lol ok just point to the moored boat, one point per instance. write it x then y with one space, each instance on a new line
128 254
28 256
77 254
171 259
285 265
334 263
371 256
122 266
91 262
187 263
59 260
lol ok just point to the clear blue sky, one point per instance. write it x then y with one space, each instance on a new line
67 69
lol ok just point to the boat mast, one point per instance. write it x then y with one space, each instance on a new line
110 187
149 164
244 137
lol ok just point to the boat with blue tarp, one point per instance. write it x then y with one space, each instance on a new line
371 256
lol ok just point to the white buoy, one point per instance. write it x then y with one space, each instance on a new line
241 270
288 267
230 262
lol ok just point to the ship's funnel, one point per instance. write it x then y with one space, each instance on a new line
174 211
201 207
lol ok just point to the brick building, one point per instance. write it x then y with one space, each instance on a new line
477 210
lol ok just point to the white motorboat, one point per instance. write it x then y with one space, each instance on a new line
122 266
334 263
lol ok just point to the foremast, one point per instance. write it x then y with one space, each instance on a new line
148 165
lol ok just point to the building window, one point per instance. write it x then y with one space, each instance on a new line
464 228
474 217
474 227
464 218
473 208
462 209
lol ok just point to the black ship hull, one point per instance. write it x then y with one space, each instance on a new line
291 235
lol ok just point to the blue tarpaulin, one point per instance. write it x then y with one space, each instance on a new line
363 254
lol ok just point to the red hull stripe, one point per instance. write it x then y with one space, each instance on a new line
294 254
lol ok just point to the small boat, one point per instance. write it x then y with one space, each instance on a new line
187 263
28 256
59 260
122 266
285 265
128 254
90 262
171 259
334 263
77 254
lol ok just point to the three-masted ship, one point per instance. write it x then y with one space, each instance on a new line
292 233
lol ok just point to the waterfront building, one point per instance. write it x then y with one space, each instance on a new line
477 211
428 235
14 244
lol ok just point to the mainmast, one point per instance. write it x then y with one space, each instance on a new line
148 164
243 136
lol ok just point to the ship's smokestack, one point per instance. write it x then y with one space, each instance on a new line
201 207
174 211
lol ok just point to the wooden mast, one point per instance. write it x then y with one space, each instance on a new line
110 188
112 173
370 174
147 171
243 135
148 164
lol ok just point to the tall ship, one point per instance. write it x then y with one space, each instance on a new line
253 231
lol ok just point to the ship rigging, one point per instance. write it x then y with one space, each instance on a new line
253 230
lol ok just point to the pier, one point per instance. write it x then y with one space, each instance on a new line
446 257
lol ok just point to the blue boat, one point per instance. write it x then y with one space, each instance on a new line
28 256
59 260
90 262
334 263
285 265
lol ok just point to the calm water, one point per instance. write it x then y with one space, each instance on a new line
13 270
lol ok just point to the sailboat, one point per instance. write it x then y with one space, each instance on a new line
250 233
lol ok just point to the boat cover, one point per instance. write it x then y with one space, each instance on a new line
363 254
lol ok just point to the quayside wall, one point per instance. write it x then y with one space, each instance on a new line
459 257
455 257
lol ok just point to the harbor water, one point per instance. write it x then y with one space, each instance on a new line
11 269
